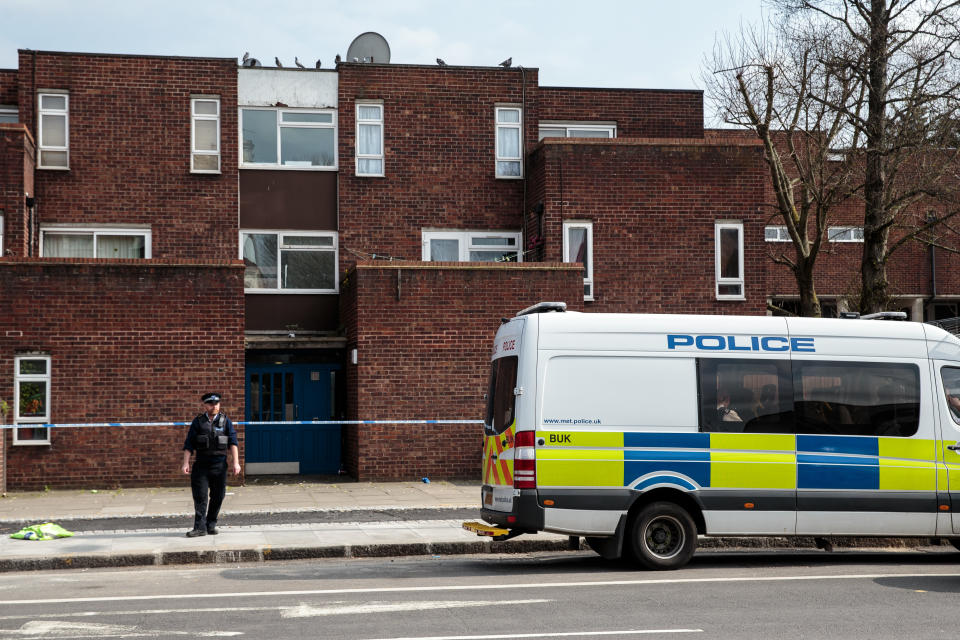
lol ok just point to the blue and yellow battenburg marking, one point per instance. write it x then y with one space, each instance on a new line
735 460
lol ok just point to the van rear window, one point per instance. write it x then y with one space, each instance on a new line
500 397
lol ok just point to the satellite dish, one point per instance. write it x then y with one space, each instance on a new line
369 47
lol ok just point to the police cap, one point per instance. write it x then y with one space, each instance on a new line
211 398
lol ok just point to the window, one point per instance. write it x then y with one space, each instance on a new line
54 131
951 389
31 399
776 234
290 262
9 114
500 395
856 398
578 247
577 130
509 142
729 256
205 135
60 242
810 397
753 396
369 139
471 246
845 234
829 308
288 138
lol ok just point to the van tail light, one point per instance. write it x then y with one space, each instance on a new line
524 461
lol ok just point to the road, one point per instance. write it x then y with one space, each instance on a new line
849 594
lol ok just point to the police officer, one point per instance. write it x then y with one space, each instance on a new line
214 440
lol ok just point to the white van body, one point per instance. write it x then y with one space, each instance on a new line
642 431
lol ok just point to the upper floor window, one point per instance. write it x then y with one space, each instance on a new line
578 247
205 135
288 138
729 260
60 242
369 139
54 131
31 399
845 234
8 114
777 233
289 261
577 130
471 246
509 142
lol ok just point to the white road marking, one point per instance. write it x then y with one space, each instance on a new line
474 587
43 629
302 610
565 634
308 611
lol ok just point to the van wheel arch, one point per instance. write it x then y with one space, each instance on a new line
678 497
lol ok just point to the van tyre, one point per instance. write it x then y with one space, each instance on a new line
663 536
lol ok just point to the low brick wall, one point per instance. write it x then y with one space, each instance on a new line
423 334
129 342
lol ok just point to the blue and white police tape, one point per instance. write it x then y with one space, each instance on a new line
38 425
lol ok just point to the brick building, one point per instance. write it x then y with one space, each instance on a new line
339 245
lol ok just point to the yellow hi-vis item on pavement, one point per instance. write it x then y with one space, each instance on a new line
45 531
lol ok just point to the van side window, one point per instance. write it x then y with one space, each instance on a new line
856 398
745 396
951 387
500 398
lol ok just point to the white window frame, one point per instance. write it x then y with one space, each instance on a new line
717 228
278 165
588 276
32 420
781 232
194 152
608 128
508 125
466 243
280 233
65 112
369 156
1 234
845 234
96 232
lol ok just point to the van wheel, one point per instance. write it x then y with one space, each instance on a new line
663 536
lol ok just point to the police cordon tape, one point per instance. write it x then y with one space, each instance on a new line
38 425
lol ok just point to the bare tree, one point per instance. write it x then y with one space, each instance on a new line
878 85
784 85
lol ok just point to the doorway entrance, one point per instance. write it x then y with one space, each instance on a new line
291 393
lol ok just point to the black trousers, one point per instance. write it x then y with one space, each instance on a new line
209 475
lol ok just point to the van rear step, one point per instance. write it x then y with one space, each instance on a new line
496 533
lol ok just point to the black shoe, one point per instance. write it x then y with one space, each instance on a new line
212 531
195 533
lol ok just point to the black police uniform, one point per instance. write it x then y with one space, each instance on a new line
211 440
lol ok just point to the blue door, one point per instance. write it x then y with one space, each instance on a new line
284 393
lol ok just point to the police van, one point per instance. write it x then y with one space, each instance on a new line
641 432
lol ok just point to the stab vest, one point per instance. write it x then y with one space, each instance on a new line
211 437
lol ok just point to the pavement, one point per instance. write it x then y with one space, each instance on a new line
263 520
290 518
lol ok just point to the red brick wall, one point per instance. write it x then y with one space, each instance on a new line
129 138
16 181
653 204
439 155
423 352
8 86
129 342
639 113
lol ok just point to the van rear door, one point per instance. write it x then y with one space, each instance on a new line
500 424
